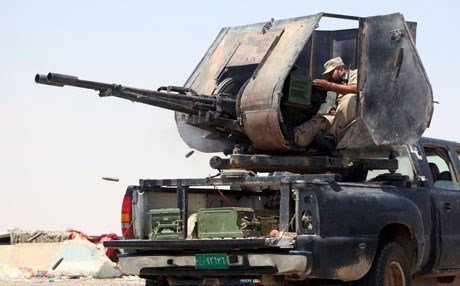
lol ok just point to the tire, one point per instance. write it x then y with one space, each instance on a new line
390 268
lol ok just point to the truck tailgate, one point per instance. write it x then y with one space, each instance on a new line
192 244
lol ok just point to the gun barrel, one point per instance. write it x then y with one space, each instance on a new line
43 79
71 80
62 78
181 99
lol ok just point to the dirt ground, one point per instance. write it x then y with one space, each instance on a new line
135 281
74 282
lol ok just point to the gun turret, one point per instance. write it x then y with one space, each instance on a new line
255 84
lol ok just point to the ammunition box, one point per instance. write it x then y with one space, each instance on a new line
165 224
300 90
227 222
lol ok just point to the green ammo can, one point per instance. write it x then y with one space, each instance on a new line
227 222
165 224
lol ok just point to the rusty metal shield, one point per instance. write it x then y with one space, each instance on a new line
272 48
261 99
395 101
395 98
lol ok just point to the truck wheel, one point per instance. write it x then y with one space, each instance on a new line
390 268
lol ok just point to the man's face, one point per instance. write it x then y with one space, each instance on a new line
336 75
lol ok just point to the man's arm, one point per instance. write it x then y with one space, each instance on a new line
336 87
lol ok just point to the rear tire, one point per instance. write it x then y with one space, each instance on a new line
390 268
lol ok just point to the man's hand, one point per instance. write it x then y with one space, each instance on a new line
336 87
322 84
331 110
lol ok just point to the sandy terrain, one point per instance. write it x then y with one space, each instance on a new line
75 282
135 281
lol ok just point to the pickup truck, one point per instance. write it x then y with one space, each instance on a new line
375 228
375 207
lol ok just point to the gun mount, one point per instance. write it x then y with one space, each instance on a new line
254 85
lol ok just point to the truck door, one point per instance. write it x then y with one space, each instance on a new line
446 200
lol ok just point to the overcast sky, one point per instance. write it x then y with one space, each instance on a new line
57 143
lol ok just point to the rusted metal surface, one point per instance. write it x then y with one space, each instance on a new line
273 50
255 85
392 80
235 46
395 99
261 98
151 184
253 47
302 164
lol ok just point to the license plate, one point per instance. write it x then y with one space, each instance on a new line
211 261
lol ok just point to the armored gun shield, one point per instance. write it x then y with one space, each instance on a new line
253 62
395 98
269 67
255 85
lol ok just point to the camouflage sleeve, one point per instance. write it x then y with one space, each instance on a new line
353 79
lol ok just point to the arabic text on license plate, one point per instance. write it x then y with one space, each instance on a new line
211 261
